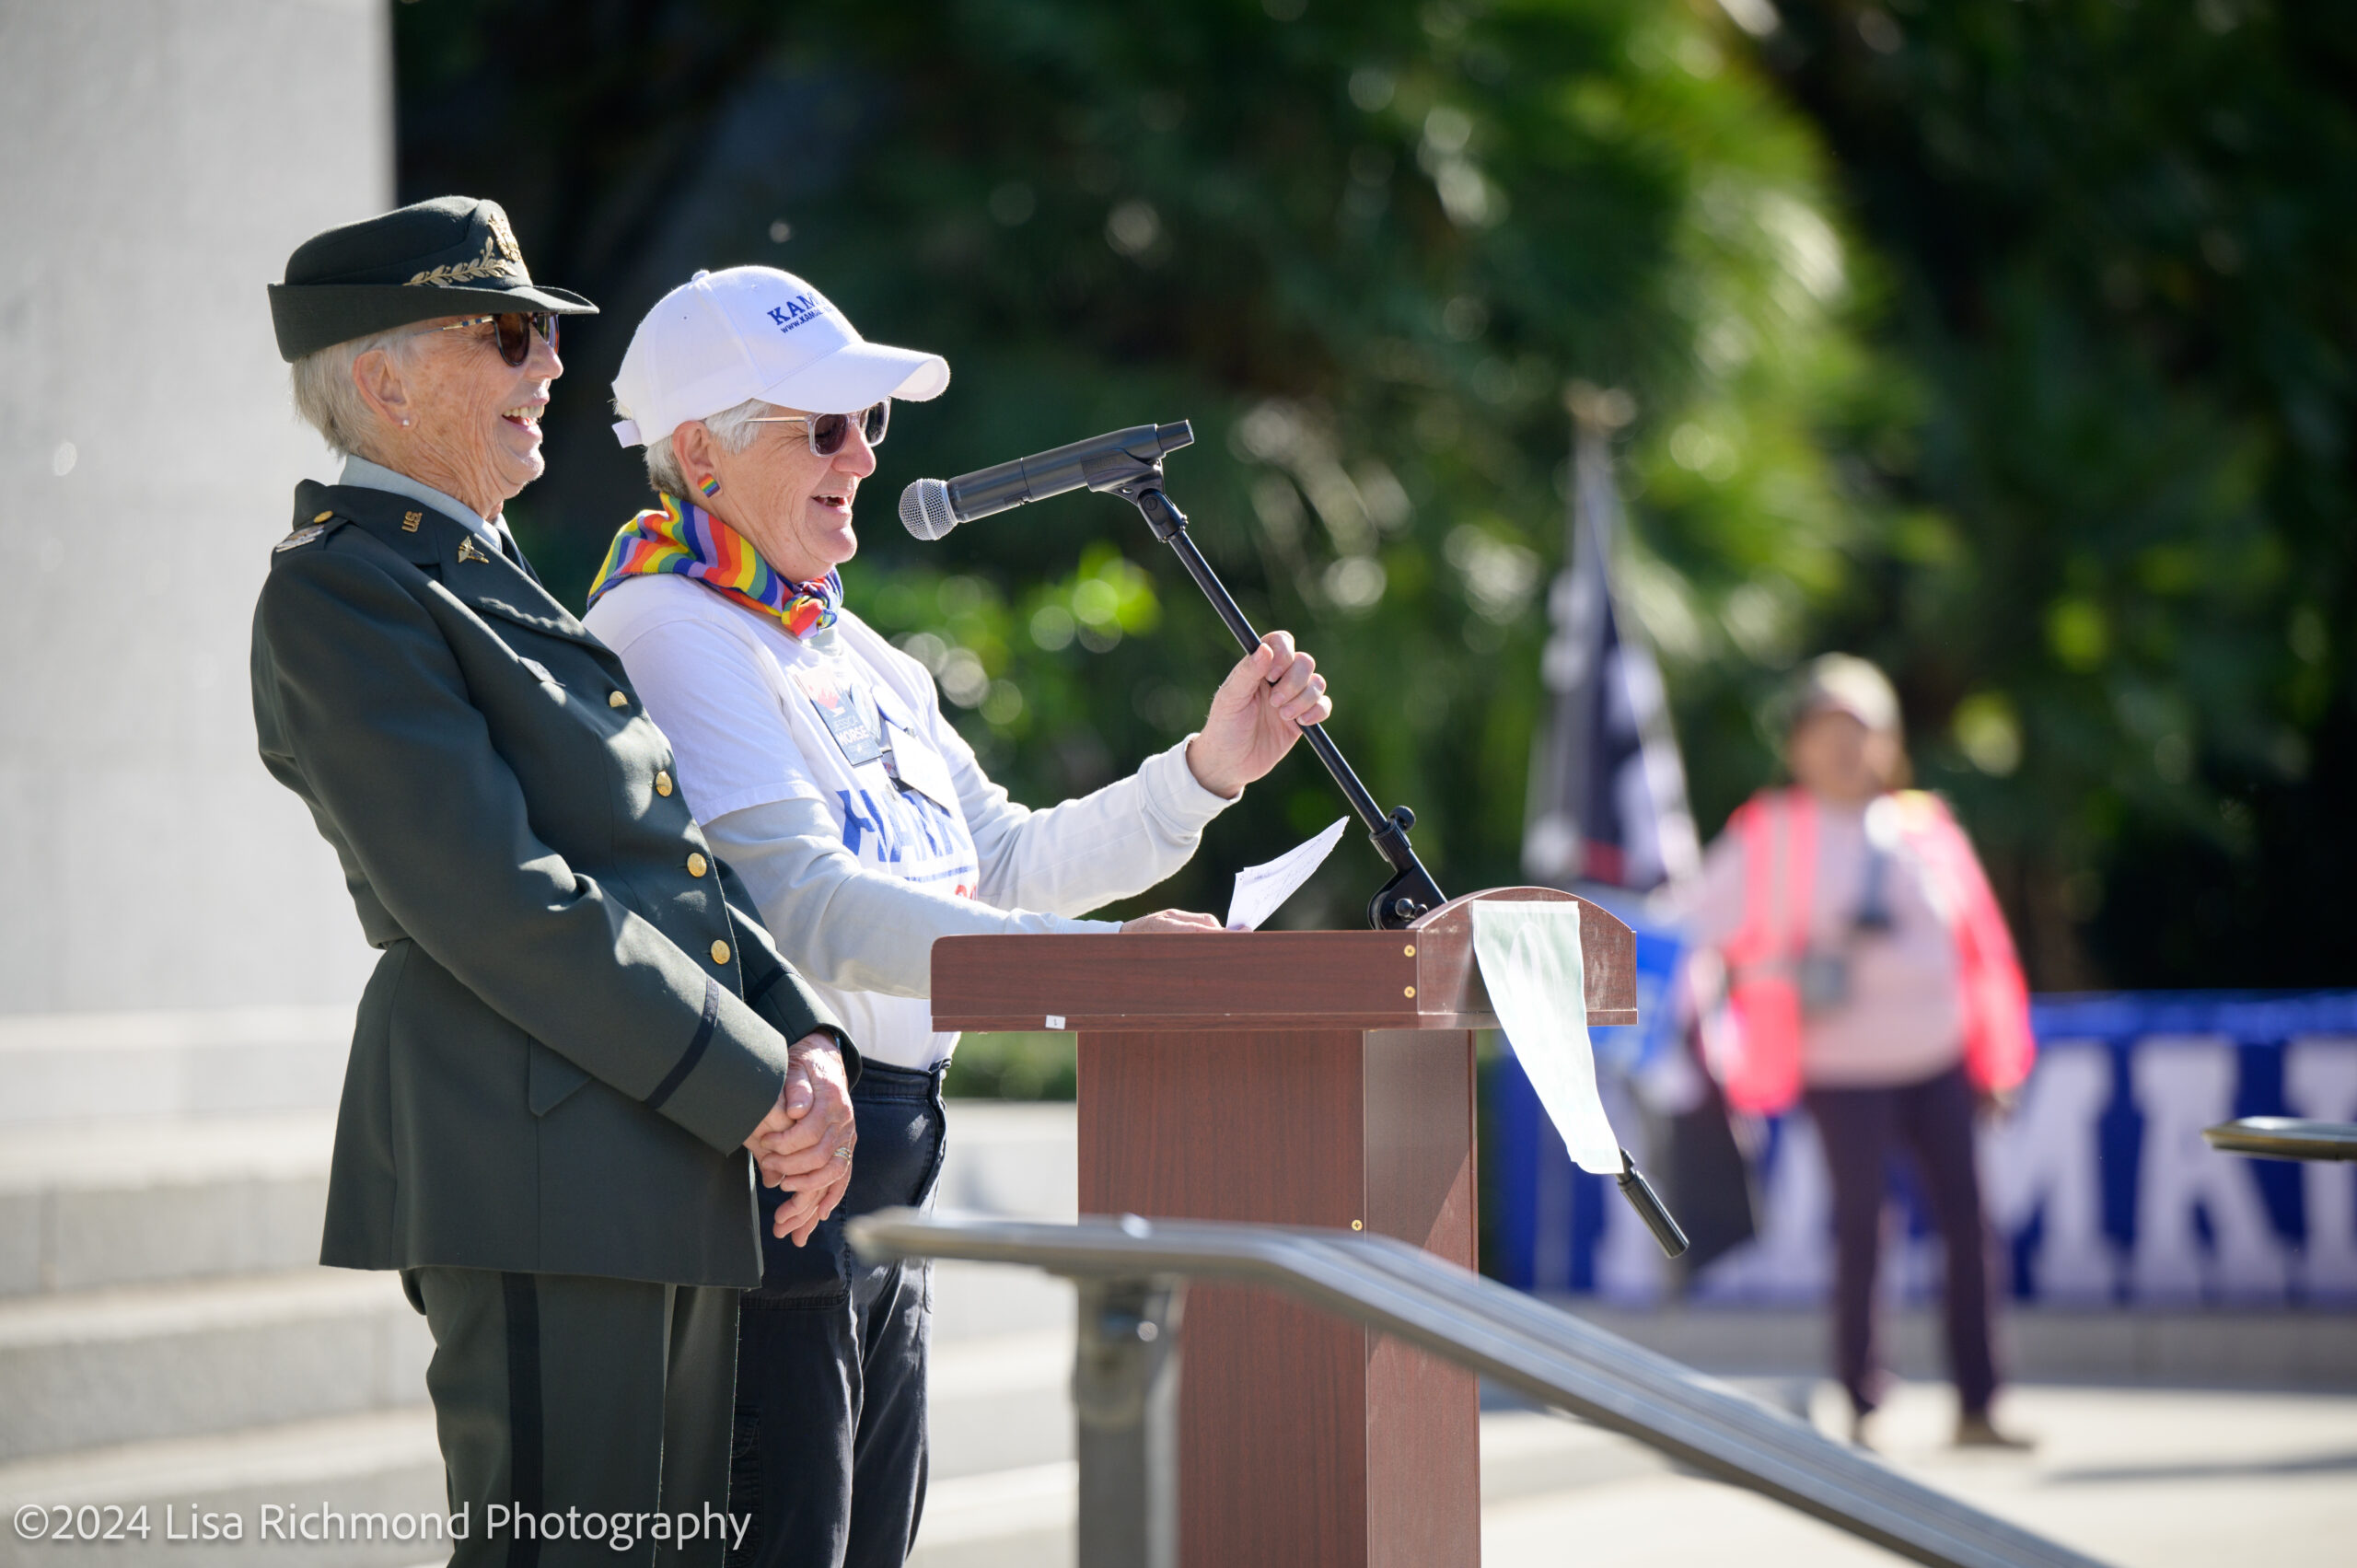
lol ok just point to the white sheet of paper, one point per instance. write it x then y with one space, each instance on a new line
1260 889
1530 960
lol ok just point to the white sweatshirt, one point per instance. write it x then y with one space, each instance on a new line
825 773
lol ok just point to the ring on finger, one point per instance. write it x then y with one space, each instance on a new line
843 1153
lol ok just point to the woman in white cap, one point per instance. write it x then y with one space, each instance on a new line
1871 977
817 758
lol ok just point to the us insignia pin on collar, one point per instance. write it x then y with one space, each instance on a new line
410 521
467 552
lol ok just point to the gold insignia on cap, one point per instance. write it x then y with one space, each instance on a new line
491 264
410 521
467 552
503 238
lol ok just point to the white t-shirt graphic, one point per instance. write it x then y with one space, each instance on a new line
892 808
825 773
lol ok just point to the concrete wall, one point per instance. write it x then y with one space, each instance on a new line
163 157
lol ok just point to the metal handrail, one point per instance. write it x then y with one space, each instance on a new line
2284 1138
1548 1354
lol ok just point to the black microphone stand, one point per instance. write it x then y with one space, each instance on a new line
1411 892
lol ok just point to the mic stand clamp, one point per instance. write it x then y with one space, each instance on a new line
1410 892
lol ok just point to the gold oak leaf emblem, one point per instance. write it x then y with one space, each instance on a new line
503 238
489 264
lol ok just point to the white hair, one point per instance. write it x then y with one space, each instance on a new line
732 428
329 399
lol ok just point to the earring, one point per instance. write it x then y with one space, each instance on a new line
709 486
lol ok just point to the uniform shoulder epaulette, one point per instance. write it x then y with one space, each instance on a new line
310 532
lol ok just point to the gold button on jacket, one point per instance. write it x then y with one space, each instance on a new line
662 783
697 865
720 952
617 699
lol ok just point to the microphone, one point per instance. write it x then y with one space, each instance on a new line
930 507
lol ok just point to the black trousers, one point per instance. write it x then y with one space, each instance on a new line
829 1451
1861 1129
587 1405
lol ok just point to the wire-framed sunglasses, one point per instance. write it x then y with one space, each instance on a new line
828 431
513 330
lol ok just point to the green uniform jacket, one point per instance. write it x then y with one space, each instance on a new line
576 1021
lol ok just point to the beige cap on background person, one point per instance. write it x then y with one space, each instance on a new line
1846 684
724 338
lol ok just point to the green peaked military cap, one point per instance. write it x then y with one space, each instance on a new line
451 255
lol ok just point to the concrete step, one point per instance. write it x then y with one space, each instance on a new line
1000 1406
143 1362
91 1203
379 1462
231 1061
127 1201
1006 1157
1000 1403
986 1300
156 1277
1009 1518
2296 1348
1012 1157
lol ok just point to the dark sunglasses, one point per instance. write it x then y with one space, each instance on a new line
513 329
828 431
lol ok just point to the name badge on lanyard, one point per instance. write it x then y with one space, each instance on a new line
915 766
853 734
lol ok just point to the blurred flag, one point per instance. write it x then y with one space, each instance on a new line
1608 815
1607 792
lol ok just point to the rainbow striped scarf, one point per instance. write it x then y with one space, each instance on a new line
680 537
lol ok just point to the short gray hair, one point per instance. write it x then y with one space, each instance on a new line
327 398
732 428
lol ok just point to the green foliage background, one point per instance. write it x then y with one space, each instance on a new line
2003 340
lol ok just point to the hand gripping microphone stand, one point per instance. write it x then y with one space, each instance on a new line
1411 891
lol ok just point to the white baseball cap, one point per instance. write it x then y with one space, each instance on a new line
722 338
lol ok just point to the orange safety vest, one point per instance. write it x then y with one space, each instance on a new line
1759 1060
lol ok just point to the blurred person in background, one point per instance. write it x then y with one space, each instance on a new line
1871 977
819 761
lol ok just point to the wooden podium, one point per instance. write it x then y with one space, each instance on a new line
1289 1077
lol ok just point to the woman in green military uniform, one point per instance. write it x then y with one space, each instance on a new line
579 1042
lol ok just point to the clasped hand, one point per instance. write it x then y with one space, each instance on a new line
805 1144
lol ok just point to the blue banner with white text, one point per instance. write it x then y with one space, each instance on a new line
2099 1184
